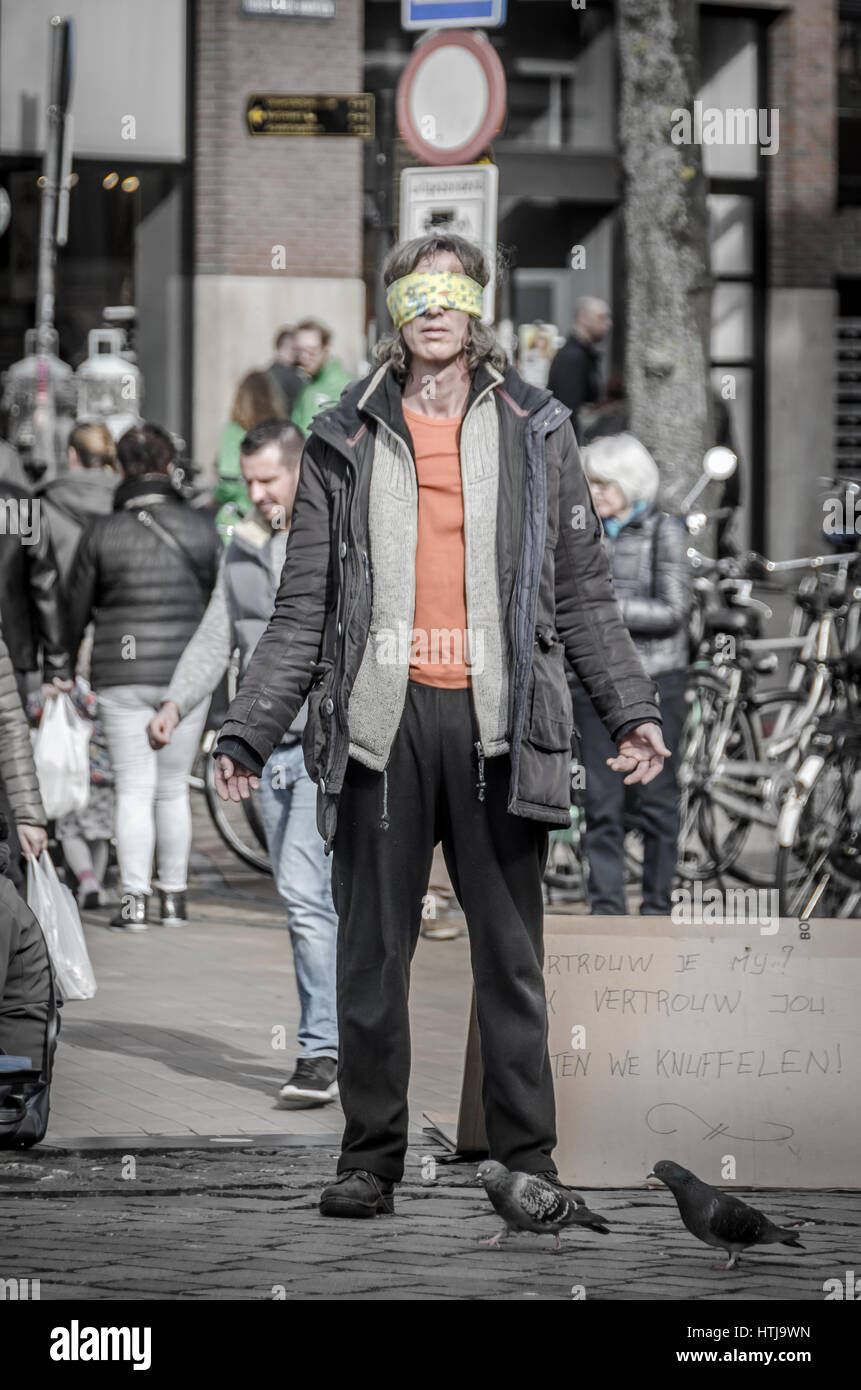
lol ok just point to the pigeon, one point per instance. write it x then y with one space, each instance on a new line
530 1203
719 1218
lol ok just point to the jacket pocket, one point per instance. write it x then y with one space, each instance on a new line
551 718
317 734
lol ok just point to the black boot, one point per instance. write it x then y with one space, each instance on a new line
172 909
358 1194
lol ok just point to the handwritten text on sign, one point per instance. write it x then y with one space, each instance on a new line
693 1047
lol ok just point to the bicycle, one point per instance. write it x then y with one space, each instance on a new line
743 746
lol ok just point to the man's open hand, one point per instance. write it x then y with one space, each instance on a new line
641 754
233 782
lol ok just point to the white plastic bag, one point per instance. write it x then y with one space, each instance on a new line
62 757
56 911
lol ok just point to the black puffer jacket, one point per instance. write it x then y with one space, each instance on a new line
29 590
654 586
145 598
554 588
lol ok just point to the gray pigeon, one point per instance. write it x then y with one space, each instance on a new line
719 1218
529 1203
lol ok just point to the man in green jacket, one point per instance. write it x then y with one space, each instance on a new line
326 377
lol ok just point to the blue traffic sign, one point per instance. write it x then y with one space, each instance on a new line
452 14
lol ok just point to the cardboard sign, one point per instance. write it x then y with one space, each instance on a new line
734 1054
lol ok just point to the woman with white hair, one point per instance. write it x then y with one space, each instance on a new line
652 580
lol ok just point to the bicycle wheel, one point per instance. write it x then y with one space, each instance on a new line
238 823
756 863
819 872
712 828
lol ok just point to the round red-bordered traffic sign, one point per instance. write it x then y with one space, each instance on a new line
451 98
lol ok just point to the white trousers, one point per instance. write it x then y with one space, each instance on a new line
152 801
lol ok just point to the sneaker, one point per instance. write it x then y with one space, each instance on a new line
132 914
314 1081
172 909
440 931
358 1194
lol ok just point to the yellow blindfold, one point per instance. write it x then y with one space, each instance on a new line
413 294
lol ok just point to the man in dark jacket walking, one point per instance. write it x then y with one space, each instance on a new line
444 556
575 373
30 603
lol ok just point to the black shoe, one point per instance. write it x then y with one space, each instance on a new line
358 1194
132 914
172 909
314 1082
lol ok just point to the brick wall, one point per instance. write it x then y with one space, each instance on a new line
803 174
256 192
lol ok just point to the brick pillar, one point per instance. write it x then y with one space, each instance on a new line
255 194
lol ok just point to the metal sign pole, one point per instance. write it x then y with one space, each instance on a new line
58 100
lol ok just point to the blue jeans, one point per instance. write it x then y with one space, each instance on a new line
303 878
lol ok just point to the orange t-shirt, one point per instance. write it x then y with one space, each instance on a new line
437 648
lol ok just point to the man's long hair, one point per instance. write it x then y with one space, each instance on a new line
481 345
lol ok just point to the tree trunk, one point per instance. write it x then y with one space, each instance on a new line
666 242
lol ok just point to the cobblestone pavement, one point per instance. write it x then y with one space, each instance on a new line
192 1029
243 1224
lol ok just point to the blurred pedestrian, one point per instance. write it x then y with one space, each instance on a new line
653 583
24 815
575 372
283 370
31 615
326 378
145 573
28 1009
257 398
30 594
238 612
71 502
74 498
432 581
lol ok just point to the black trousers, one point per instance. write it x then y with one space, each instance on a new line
656 807
379 878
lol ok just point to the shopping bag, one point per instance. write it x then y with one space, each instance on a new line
56 911
62 757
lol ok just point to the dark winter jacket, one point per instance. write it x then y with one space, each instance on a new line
25 980
71 502
554 588
575 376
653 583
146 598
17 767
30 610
